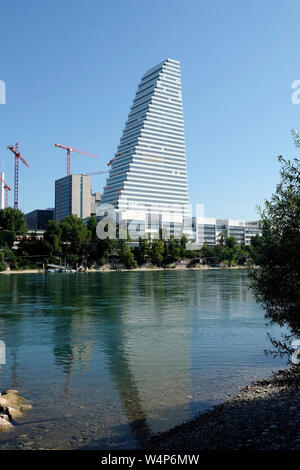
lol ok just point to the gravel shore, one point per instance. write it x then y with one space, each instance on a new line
264 416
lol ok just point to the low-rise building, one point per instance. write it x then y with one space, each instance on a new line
38 219
200 230
211 230
95 202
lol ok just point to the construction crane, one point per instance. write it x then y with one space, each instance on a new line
71 149
113 159
18 156
95 173
6 188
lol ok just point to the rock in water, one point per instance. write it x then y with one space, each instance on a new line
3 416
5 425
12 407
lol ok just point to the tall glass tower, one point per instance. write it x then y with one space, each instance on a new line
148 173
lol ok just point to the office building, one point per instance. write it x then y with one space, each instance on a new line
73 196
95 202
148 177
147 183
38 219
211 231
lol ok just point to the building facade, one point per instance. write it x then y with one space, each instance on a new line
148 175
38 219
73 196
147 184
95 202
211 230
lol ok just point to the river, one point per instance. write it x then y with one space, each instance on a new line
109 358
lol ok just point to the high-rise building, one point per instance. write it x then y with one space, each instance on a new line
148 173
73 196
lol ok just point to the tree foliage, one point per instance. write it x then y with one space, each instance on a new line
276 283
3 265
74 242
126 255
12 224
52 238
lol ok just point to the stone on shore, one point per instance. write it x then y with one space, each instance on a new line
263 416
11 408
3 416
5 425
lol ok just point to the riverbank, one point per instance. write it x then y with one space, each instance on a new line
25 271
109 269
263 416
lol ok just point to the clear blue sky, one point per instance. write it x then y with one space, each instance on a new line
72 68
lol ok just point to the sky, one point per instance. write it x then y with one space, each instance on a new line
72 67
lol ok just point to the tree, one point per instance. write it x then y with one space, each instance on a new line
12 224
242 254
31 251
205 252
255 249
171 250
75 236
231 249
126 255
142 251
276 283
3 265
183 246
94 250
230 242
156 252
52 238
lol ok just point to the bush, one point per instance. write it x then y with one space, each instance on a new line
3 265
276 283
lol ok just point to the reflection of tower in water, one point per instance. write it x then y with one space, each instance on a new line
148 359
69 350
153 339
73 348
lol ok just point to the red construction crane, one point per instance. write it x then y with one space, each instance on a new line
71 149
6 188
113 159
18 156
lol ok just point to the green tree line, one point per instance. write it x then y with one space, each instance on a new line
74 242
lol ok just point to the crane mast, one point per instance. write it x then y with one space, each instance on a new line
15 150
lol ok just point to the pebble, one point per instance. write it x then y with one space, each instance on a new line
259 410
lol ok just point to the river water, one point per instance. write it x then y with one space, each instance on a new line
106 359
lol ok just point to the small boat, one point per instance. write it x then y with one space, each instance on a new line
53 268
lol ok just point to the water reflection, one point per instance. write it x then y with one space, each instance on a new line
143 342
